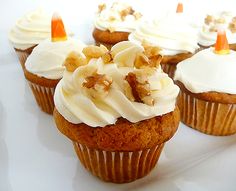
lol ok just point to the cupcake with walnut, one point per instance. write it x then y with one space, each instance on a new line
114 24
119 109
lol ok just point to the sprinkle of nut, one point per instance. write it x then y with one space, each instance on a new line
98 85
209 19
213 29
107 57
140 88
232 25
137 15
73 61
220 21
101 7
92 51
126 12
141 60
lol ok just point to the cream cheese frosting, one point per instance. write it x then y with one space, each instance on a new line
222 20
75 104
31 29
110 18
207 71
172 34
48 57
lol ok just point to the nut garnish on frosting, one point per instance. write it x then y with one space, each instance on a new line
74 60
232 25
98 85
93 51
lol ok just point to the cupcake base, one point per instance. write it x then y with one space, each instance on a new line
108 38
213 118
118 167
23 55
169 63
43 90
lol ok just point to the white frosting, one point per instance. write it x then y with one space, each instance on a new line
103 20
172 34
30 30
48 57
76 106
207 71
208 38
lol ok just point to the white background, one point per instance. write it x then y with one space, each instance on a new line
34 156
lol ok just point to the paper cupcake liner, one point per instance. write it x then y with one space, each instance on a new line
43 96
208 117
169 69
117 166
23 55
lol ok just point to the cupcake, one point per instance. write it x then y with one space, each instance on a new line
114 24
172 34
119 109
28 32
208 32
44 67
208 93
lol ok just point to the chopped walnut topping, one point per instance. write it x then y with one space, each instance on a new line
107 57
141 61
220 20
137 15
73 61
126 12
101 7
213 29
232 25
209 19
138 89
92 51
111 18
98 85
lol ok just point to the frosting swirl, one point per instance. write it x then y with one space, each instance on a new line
47 58
222 20
207 71
76 105
173 34
119 17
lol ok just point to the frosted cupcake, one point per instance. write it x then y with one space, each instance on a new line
172 34
119 109
212 22
44 67
208 93
28 32
114 24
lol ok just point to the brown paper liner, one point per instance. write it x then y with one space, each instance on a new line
207 117
43 96
23 55
118 166
169 69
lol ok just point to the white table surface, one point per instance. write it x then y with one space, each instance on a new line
34 156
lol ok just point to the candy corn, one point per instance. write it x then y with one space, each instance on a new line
221 46
179 8
58 32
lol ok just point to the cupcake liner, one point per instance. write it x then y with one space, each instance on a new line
208 117
23 55
118 166
43 96
169 69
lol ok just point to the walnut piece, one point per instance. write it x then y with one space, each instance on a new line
98 85
220 20
101 7
137 15
126 12
139 88
73 61
92 51
232 25
107 57
209 19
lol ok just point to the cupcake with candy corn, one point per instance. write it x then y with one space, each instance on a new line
208 92
173 34
45 66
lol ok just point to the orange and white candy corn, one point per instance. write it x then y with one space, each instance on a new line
221 45
180 8
58 32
